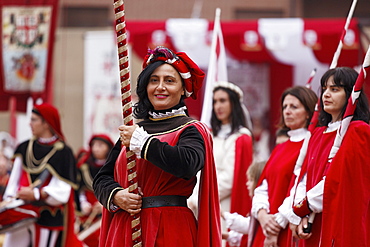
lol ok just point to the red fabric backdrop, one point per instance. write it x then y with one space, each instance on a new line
327 34
327 31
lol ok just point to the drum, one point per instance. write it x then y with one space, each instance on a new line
15 214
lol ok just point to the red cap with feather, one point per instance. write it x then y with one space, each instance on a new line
189 71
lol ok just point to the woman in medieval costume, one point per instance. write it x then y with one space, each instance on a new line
44 177
336 190
297 107
170 149
232 149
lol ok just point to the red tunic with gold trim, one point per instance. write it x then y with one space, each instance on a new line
164 226
279 173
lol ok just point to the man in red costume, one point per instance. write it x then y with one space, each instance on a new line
44 176
170 149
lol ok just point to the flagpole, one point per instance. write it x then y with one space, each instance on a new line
127 110
303 151
351 106
13 116
309 81
311 126
332 66
347 117
340 45
197 9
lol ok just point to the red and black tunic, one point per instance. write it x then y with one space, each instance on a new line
178 148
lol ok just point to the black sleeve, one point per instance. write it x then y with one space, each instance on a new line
184 159
104 183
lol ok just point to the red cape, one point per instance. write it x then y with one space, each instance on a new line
240 200
205 232
346 204
314 165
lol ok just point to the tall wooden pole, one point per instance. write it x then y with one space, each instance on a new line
122 46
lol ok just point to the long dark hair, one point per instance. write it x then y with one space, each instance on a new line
306 96
344 77
144 106
237 116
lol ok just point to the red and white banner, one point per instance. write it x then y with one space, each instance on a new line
27 31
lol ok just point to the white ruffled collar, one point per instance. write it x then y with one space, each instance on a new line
174 112
297 135
47 140
333 126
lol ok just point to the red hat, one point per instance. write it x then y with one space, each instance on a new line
190 72
51 116
102 137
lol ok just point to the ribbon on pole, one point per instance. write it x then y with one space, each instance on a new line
313 122
315 117
351 106
309 81
311 127
347 117
122 47
340 45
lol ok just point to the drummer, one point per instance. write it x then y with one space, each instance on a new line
44 173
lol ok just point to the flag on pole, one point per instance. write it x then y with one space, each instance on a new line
27 31
217 69
351 106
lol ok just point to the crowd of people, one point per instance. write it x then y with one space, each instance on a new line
196 186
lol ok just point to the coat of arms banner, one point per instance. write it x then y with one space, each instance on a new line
27 32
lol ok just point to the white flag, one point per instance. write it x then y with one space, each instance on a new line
217 69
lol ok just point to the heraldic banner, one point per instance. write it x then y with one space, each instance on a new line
26 48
